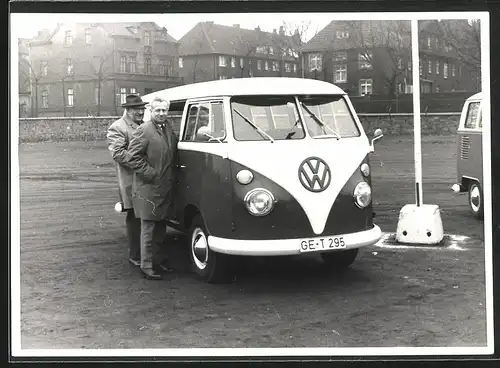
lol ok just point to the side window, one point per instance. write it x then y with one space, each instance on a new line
481 118
471 119
210 115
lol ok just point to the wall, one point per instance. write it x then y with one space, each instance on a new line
94 128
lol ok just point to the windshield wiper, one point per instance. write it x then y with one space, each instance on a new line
336 135
260 131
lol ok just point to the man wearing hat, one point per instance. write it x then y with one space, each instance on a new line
152 154
119 136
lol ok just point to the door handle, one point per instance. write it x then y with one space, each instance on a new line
181 166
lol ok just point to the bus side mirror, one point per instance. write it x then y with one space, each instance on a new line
376 136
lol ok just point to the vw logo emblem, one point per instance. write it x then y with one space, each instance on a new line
314 174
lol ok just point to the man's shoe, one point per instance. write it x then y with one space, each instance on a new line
151 274
134 262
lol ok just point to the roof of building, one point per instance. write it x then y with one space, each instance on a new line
115 29
210 38
372 32
248 86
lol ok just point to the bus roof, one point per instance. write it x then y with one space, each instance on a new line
248 86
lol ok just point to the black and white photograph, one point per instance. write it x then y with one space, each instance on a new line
251 184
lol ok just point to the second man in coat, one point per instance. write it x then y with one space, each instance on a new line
152 154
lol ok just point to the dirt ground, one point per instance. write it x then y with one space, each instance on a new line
78 291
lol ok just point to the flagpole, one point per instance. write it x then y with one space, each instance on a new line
416 112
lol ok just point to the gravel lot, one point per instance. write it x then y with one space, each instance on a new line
78 291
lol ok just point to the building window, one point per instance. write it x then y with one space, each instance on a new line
123 95
365 60
123 64
170 69
68 38
295 68
163 68
222 61
340 74
132 63
365 87
242 63
233 62
288 67
276 66
259 65
429 42
181 62
271 51
44 67
222 77
266 65
260 50
88 36
147 38
429 66
45 99
147 65
71 100
409 66
133 91
315 62
437 88
445 70
420 68
453 70
340 56
437 66
409 89
69 66
342 34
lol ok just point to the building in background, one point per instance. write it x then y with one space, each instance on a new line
373 57
87 69
210 51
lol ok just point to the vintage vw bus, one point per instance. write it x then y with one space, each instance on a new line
270 167
470 154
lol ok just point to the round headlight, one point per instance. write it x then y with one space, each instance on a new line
119 207
259 202
362 194
365 169
244 176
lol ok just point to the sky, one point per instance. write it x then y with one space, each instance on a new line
28 25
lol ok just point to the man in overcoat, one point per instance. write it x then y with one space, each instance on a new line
152 154
119 135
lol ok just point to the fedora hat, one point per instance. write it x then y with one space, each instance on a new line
134 101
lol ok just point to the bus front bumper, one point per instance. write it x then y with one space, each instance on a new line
284 247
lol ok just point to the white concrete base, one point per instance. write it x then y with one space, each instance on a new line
420 225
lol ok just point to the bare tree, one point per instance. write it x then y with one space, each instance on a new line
34 78
390 38
464 39
99 71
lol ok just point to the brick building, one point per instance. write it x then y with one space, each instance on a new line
373 57
88 69
210 51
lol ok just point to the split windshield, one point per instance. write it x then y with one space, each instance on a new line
257 118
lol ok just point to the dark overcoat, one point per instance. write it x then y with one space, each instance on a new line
119 135
153 157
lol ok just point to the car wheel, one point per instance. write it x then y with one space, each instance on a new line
210 266
339 260
476 200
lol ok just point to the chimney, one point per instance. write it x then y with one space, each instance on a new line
257 29
282 30
236 25
274 30
210 22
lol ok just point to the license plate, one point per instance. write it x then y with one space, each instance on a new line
319 244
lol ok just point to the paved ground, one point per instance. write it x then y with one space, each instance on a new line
78 291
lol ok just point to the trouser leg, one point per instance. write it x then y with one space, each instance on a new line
147 230
133 225
158 236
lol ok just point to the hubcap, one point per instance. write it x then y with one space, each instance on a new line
475 198
199 248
